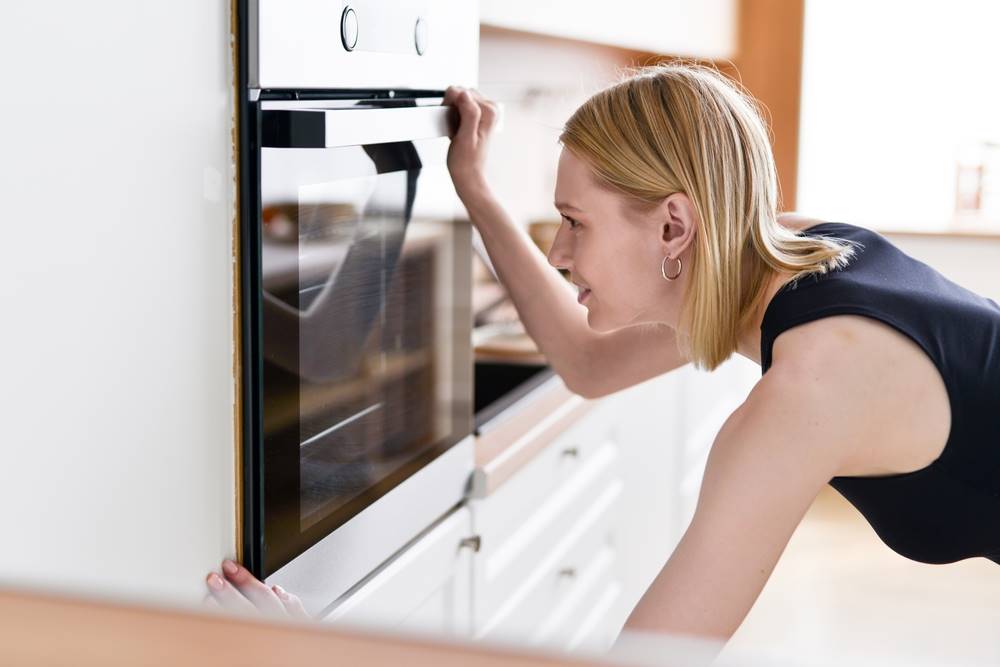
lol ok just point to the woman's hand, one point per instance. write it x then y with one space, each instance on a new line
467 152
238 590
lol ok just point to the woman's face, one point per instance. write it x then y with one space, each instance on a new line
613 253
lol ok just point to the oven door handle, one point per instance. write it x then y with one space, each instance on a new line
354 126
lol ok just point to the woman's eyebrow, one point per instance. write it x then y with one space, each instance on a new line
567 206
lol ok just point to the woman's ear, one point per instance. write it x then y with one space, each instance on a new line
677 221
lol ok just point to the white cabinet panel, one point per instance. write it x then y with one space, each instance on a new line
580 618
425 588
517 578
117 341
703 29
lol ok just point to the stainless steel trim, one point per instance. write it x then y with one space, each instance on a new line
340 560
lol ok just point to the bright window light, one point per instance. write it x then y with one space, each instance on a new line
897 95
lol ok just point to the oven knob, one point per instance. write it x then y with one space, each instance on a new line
349 28
420 36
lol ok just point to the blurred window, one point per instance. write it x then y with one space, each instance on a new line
900 113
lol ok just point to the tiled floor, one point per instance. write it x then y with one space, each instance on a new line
838 592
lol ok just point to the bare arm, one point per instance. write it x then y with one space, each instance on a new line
590 363
767 465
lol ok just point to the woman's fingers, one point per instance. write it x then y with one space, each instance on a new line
292 604
226 596
262 597
470 111
489 117
488 111
210 601
239 590
467 151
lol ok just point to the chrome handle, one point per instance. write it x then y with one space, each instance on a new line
335 128
474 542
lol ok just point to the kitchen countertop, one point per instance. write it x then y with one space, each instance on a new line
46 629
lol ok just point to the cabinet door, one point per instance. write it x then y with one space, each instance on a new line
704 29
648 423
547 540
424 589
666 427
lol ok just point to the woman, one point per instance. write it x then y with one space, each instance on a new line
879 376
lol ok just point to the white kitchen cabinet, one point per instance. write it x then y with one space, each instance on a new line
118 272
558 553
666 427
425 589
700 29
547 544
572 540
706 402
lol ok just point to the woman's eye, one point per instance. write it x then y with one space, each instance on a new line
572 223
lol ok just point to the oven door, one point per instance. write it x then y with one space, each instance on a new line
364 323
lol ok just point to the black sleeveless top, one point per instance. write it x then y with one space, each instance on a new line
949 510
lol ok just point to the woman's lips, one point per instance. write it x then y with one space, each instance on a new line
582 296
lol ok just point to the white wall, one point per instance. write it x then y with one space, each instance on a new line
116 272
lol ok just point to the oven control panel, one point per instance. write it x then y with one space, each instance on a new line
420 44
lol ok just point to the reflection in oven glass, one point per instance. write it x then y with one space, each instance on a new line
384 414
386 417
351 337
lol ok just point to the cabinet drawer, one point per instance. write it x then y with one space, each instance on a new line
502 513
522 580
580 618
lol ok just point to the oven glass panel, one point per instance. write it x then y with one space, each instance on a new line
366 313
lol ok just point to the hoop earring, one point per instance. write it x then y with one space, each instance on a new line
663 269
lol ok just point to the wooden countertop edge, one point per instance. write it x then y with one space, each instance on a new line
45 629
530 426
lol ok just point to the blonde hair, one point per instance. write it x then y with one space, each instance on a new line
682 127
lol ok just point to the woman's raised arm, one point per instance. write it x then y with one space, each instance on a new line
590 363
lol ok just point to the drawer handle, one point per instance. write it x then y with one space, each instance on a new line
473 543
568 572
571 452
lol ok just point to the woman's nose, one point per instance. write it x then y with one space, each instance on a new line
559 255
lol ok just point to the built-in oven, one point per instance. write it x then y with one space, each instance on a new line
356 302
